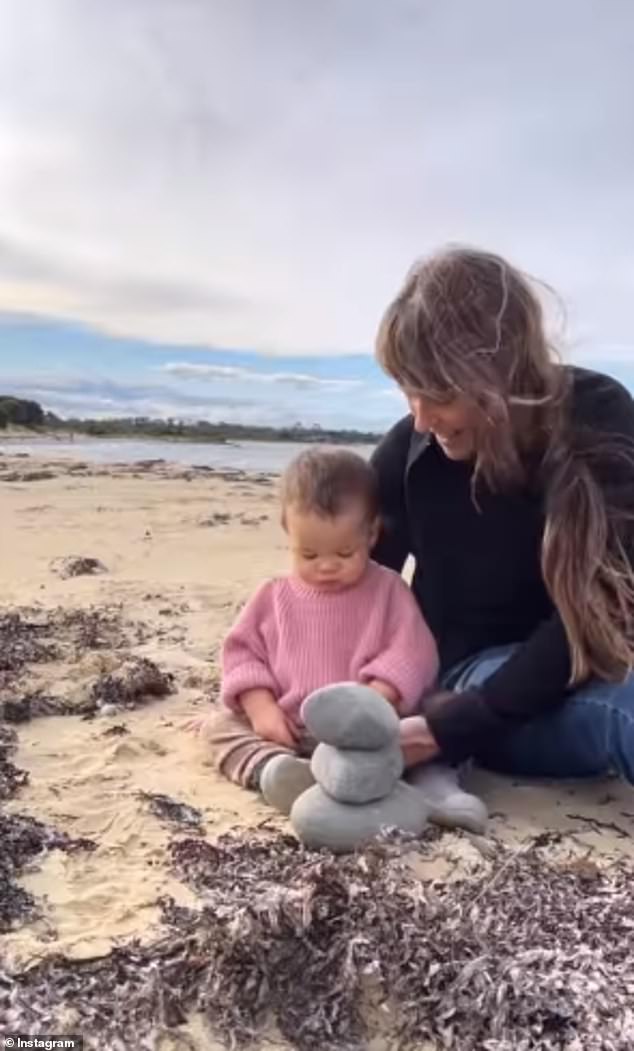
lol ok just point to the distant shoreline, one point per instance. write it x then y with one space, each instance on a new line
26 419
80 437
252 457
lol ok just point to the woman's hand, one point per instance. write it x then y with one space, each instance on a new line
418 744
267 719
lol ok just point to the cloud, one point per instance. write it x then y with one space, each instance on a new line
75 395
51 360
248 402
103 289
250 175
302 381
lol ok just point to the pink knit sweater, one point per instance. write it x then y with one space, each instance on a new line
292 639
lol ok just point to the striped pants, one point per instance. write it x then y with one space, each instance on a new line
238 752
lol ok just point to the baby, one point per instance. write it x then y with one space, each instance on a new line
337 617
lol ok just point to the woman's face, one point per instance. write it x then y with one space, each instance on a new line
452 423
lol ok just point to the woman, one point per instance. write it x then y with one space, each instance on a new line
511 483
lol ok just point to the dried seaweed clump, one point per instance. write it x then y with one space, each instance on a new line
23 641
29 705
138 680
22 838
122 1001
172 811
31 636
529 957
11 778
77 566
94 629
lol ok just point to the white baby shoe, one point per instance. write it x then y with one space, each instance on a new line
448 804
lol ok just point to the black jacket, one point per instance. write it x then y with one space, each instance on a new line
478 578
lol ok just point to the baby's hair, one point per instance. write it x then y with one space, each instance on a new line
328 481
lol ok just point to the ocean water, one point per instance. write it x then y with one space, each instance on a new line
246 456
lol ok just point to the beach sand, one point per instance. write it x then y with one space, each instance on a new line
182 549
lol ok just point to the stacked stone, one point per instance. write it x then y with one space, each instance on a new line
357 766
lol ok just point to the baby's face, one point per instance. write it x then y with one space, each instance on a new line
330 553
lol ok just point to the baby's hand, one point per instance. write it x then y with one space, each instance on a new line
267 719
387 692
195 725
271 724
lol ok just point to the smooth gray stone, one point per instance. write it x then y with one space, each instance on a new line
320 821
348 715
353 776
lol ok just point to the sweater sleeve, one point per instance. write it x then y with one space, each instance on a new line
245 661
408 660
462 723
389 460
536 677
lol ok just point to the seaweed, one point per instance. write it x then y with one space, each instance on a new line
22 642
34 636
11 778
117 730
31 636
528 955
77 566
172 811
23 838
138 679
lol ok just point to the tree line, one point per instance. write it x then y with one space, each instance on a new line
19 412
22 412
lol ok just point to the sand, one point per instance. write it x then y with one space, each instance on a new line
182 549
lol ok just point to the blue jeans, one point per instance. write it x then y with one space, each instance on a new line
590 735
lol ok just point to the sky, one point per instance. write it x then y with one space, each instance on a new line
206 205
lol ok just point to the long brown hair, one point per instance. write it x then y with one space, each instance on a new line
468 323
